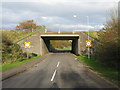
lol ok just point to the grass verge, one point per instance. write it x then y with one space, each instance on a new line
103 70
18 63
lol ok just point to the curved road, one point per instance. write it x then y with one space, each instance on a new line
60 70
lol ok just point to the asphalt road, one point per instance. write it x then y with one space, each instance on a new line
60 70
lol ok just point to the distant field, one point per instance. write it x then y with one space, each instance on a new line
93 34
16 36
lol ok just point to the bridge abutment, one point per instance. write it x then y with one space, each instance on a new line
44 46
40 43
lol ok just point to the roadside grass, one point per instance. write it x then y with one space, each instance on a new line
103 70
18 63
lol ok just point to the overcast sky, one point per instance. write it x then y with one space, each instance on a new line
57 14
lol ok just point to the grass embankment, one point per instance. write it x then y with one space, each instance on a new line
17 63
93 34
15 35
105 71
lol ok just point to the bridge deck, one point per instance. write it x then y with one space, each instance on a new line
59 35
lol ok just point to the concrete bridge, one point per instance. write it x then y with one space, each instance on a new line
40 42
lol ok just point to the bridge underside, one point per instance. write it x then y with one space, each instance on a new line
46 45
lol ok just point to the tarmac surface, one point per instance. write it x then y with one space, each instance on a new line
57 70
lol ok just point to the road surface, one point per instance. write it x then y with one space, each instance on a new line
58 70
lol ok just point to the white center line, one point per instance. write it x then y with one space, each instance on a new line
58 64
53 75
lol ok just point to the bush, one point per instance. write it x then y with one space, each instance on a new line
107 48
11 52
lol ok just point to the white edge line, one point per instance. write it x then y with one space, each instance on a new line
58 64
53 75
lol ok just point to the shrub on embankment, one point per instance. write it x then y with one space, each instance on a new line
11 51
109 42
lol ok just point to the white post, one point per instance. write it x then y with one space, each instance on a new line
88 37
79 48
59 29
27 53
41 46
45 30
73 32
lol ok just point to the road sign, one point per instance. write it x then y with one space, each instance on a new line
27 44
88 43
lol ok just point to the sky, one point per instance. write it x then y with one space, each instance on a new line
63 15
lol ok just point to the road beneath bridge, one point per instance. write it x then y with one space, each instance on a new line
58 70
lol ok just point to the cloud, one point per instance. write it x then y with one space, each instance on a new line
10 17
8 26
57 1
78 27
53 13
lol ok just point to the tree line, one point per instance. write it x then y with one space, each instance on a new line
31 26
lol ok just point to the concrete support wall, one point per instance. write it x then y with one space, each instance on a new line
83 49
75 46
79 48
34 43
44 46
38 45
47 43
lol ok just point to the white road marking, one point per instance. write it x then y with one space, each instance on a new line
53 75
75 58
58 64
55 72
36 65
